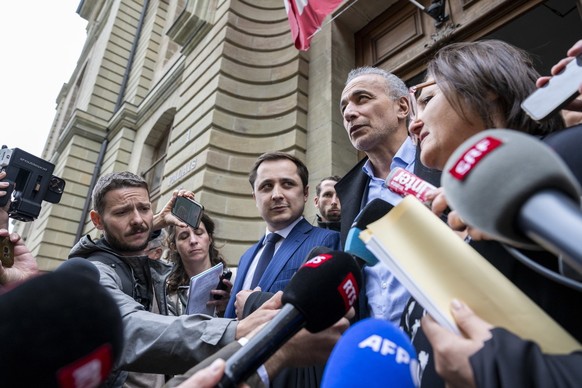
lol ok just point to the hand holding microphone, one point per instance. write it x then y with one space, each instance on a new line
405 183
319 294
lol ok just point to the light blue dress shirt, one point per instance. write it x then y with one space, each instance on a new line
386 296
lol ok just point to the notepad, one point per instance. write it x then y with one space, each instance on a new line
200 287
435 265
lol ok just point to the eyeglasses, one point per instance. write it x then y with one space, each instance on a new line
412 96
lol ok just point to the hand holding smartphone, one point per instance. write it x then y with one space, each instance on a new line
188 211
558 92
6 252
227 274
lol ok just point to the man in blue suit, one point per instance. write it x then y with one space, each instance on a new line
279 183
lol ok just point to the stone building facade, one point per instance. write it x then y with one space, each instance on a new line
189 92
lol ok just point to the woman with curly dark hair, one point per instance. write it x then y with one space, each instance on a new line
193 251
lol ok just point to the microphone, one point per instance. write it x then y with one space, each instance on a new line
372 353
80 266
515 188
373 211
316 251
405 183
60 329
318 295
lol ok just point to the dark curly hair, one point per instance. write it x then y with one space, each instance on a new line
178 277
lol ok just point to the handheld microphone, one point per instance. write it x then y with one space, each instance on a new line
318 295
372 353
404 183
373 211
316 251
513 187
80 266
61 329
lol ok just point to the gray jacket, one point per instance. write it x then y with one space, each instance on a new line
154 343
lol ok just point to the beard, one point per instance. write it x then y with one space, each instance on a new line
119 245
332 214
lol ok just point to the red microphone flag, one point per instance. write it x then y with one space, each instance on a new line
306 17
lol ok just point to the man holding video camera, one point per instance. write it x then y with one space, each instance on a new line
20 267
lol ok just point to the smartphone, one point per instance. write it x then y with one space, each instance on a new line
6 252
559 91
188 211
227 274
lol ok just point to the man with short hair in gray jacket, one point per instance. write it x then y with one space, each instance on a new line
154 343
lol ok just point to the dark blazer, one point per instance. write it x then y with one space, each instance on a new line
287 260
352 191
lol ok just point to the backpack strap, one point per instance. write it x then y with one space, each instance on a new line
121 268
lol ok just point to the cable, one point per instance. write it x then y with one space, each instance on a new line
552 275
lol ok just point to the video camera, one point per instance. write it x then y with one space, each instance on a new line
31 182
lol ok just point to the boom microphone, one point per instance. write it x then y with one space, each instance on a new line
373 211
318 295
61 329
372 353
515 188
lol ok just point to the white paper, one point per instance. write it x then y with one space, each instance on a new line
200 287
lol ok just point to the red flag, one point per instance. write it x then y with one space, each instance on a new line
306 17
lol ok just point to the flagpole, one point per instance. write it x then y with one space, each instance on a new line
417 4
332 19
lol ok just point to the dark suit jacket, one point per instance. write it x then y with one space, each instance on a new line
286 261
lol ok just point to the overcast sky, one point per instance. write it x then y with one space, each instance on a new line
41 42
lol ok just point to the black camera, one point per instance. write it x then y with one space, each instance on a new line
31 182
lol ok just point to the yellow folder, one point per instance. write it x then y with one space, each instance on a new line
436 265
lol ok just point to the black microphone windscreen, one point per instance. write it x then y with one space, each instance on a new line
373 211
490 176
324 289
58 329
316 251
78 265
